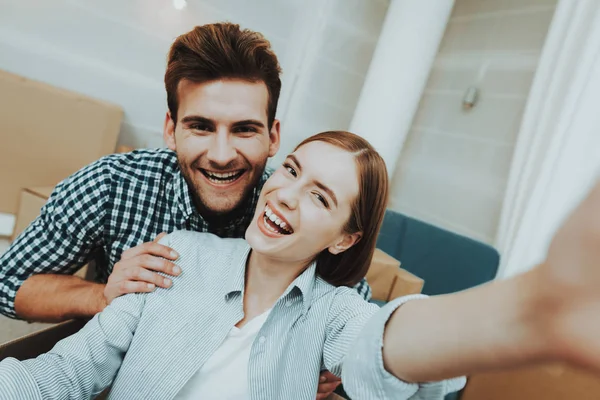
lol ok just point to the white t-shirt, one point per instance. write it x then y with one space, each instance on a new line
224 376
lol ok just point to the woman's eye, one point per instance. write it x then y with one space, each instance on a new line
322 199
291 170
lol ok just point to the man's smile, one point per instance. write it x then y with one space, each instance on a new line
222 178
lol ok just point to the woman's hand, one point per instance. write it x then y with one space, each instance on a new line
571 273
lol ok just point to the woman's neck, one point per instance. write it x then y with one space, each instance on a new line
266 280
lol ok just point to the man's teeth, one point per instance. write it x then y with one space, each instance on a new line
223 177
275 219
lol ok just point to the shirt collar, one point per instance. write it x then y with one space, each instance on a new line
237 275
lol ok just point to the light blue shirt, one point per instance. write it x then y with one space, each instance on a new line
149 345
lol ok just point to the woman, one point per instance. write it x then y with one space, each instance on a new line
265 315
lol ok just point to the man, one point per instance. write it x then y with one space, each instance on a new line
222 88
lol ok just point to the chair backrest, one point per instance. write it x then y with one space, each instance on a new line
448 262
34 344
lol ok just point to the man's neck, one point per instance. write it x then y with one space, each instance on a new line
221 220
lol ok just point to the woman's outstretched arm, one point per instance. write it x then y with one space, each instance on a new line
549 313
493 326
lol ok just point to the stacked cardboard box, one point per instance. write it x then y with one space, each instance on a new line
47 134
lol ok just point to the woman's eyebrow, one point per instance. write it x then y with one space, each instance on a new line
327 190
317 183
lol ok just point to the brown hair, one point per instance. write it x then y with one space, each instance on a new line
368 210
222 51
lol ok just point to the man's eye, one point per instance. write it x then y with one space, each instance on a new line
290 169
321 199
200 127
245 129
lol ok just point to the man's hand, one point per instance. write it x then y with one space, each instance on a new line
328 382
133 274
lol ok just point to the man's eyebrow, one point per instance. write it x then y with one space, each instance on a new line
245 122
196 118
317 183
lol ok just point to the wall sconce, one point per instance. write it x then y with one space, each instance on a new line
470 98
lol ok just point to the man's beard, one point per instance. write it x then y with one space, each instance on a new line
235 204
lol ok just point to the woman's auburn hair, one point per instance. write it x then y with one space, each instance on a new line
368 209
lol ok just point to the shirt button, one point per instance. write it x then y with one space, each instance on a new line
262 339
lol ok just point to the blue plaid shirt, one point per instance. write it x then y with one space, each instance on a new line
116 203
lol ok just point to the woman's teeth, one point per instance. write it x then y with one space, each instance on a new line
276 225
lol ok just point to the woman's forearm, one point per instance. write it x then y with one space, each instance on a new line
489 327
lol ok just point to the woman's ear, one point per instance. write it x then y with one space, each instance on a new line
169 132
345 242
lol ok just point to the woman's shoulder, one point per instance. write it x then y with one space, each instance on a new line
203 243
324 290
195 238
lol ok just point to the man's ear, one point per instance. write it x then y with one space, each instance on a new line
169 132
274 138
345 242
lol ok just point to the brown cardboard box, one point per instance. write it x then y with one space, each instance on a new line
31 202
47 133
388 281
548 382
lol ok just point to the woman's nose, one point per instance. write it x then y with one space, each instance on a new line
288 197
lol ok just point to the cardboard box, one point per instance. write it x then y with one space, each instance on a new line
47 134
388 281
31 202
548 382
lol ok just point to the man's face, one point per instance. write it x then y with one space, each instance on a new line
222 141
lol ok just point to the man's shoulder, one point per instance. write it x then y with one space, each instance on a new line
142 163
267 173
98 181
138 164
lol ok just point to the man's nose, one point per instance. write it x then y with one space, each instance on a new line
221 151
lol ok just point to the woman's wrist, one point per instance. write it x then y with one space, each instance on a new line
543 304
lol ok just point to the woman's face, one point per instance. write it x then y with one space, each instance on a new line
304 206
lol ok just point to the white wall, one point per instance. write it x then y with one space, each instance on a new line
455 163
328 80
